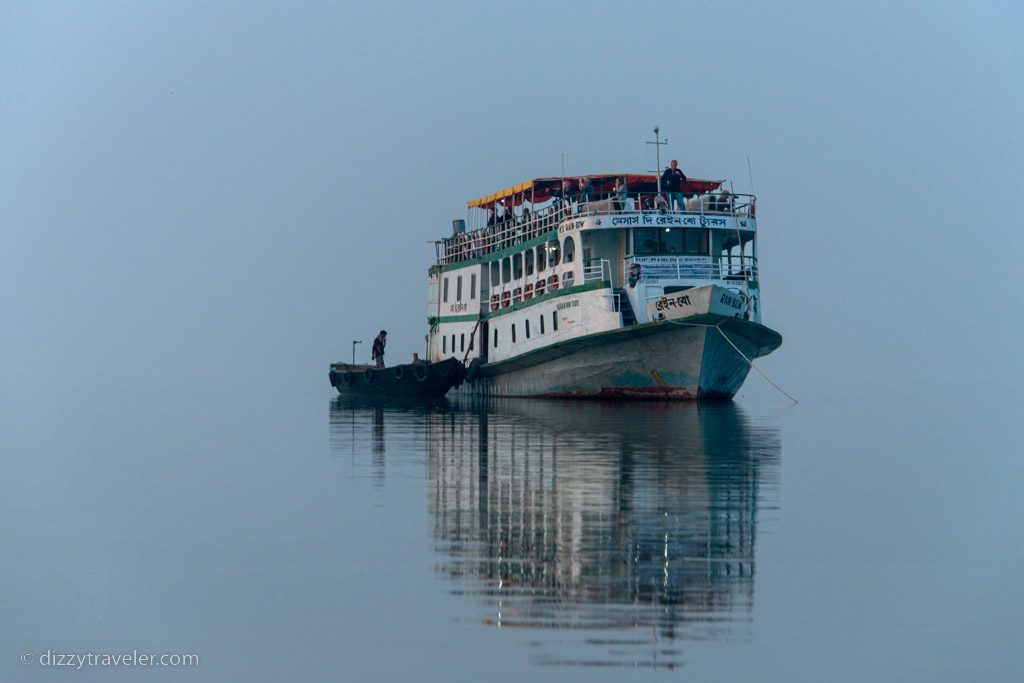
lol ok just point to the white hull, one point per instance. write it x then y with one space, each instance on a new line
664 360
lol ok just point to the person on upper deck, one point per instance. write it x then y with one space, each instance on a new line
672 182
725 202
563 197
619 194
585 192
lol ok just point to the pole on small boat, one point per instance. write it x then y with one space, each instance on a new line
354 342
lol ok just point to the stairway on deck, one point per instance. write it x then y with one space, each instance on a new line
628 316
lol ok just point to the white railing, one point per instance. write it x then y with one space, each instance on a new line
710 204
666 267
597 270
508 232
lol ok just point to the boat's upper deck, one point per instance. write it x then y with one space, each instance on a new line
615 201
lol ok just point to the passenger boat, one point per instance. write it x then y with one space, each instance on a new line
617 296
411 379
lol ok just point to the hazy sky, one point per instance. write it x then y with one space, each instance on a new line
201 193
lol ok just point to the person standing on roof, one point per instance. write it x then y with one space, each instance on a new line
672 182
379 342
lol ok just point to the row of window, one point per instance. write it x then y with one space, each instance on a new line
458 288
554 328
462 337
462 343
537 259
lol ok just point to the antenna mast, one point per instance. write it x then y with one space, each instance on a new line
657 147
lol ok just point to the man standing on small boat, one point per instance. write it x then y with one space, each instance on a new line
379 342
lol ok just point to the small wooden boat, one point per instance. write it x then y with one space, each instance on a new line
412 379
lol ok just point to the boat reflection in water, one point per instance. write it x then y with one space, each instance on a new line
630 528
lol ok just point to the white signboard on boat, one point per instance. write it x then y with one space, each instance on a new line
650 219
697 301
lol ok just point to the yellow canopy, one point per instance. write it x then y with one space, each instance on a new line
502 194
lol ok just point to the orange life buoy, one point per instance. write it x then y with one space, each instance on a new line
495 302
540 287
528 292
517 294
506 299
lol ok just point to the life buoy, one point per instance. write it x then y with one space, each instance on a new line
495 302
421 372
528 292
553 282
517 294
540 287
399 372
368 375
506 299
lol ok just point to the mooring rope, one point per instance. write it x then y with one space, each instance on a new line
742 355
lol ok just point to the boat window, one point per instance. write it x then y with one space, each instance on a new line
542 258
697 241
542 324
472 336
506 270
671 241
554 253
554 321
569 249
645 241
462 342
527 329
472 287
444 344
517 266
513 333
444 297
453 343
458 288
495 337
529 262
495 273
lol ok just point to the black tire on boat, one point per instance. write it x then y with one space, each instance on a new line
421 373
368 375
399 372
330 376
346 379
471 371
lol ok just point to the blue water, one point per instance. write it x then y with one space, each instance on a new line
293 535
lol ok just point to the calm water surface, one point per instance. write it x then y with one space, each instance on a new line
296 536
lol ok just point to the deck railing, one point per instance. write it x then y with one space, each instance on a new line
597 270
508 232
688 267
